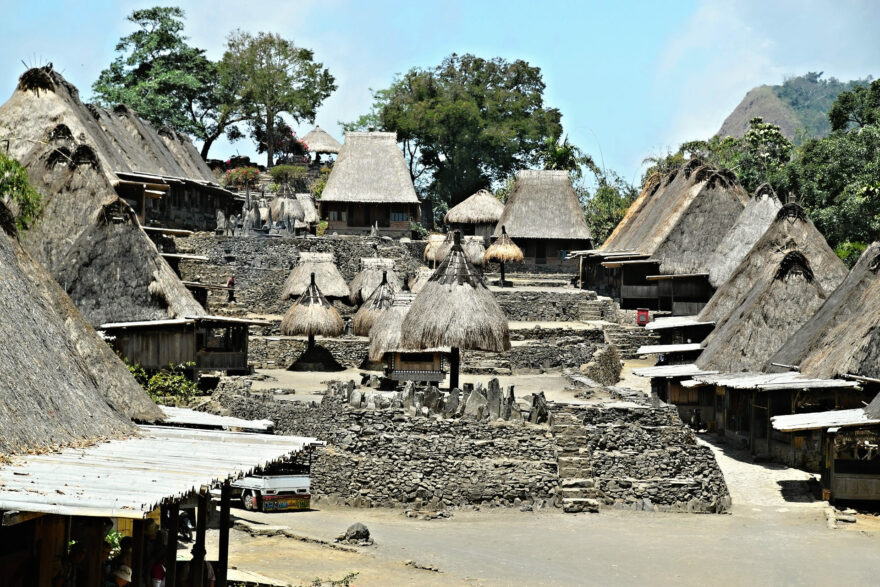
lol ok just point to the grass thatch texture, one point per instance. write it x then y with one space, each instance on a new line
504 250
286 209
319 141
418 281
327 276
312 315
544 205
842 336
481 208
385 336
60 384
432 248
781 300
370 277
456 309
475 249
370 168
310 211
114 273
375 305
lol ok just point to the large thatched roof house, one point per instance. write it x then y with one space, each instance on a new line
369 186
543 216
78 155
476 216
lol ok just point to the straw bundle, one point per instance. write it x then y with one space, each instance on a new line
418 281
435 241
320 142
376 304
312 314
327 277
370 277
481 208
504 250
475 249
385 334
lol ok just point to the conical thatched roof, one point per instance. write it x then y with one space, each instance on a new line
312 315
790 230
504 250
60 384
385 334
475 249
319 141
481 208
73 151
327 276
310 211
753 221
289 209
456 309
432 248
783 296
370 276
377 303
543 205
114 273
418 281
842 337
370 169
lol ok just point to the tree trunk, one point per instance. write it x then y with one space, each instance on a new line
206 146
270 140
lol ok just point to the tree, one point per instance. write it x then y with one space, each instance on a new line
275 77
24 201
607 205
286 145
168 82
466 123
858 107
563 155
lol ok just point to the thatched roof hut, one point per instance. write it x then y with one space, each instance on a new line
418 281
78 156
385 336
543 205
370 169
753 221
327 277
475 249
114 273
435 241
311 315
310 211
286 209
319 141
791 230
60 384
375 305
842 337
504 250
370 277
481 208
456 309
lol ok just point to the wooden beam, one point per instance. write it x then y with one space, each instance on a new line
197 568
173 528
223 556
11 518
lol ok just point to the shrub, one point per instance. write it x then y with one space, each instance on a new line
241 177
15 191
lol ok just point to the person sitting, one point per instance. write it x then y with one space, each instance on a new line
120 577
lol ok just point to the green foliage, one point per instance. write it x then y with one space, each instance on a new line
112 539
290 177
321 228
241 177
16 192
607 205
849 252
316 188
563 155
418 230
505 189
811 97
466 123
856 108
170 385
346 581
275 77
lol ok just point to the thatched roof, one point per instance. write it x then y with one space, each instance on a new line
432 248
504 250
543 205
456 309
842 337
73 151
652 185
481 208
475 249
289 209
311 315
418 281
370 276
370 169
753 221
319 141
60 384
114 273
790 230
327 276
377 303
385 334
309 209
784 294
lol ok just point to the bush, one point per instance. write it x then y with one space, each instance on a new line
170 385
241 177
15 191
321 228
290 176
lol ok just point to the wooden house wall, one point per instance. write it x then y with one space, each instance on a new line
156 349
358 218
684 296
550 251
635 290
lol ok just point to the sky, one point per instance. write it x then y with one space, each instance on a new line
632 79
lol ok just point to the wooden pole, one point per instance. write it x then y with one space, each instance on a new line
454 361
223 556
311 341
197 568
502 273
171 552
137 552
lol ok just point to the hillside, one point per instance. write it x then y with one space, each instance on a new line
799 103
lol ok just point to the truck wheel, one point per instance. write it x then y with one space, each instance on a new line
248 500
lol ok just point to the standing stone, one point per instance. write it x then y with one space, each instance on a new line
476 405
538 413
356 398
462 403
431 398
409 395
419 400
508 405
451 406
493 397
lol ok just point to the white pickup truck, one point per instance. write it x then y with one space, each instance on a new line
281 487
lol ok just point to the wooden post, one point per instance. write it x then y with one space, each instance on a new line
223 556
502 273
137 553
173 527
311 341
197 568
454 361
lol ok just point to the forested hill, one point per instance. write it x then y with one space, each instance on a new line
800 103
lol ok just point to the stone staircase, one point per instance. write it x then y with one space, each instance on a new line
577 489
628 339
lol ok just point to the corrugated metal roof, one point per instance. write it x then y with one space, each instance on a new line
772 381
672 371
669 322
657 349
819 420
186 417
129 478
181 321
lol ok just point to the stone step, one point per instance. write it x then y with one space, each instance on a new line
573 461
577 483
567 429
575 472
579 505
578 493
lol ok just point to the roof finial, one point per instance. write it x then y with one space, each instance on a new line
456 238
384 278
313 279
503 229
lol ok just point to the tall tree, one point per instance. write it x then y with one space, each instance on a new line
467 122
168 82
275 77
856 108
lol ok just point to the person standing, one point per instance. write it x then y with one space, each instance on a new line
230 284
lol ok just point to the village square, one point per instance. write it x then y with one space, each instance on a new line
441 342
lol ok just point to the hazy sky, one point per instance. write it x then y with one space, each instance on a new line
632 79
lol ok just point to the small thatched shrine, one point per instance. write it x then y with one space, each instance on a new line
477 215
373 272
327 276
370 187
401 363
502 251
320 142
313 315
310 211
435 242
475 249
375 305
455 309
544 216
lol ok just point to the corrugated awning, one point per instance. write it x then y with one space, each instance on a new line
820 420
672 322
659 349
129 478
186 417
672 371
770 381
183 321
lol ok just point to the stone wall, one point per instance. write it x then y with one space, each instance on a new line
551 305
